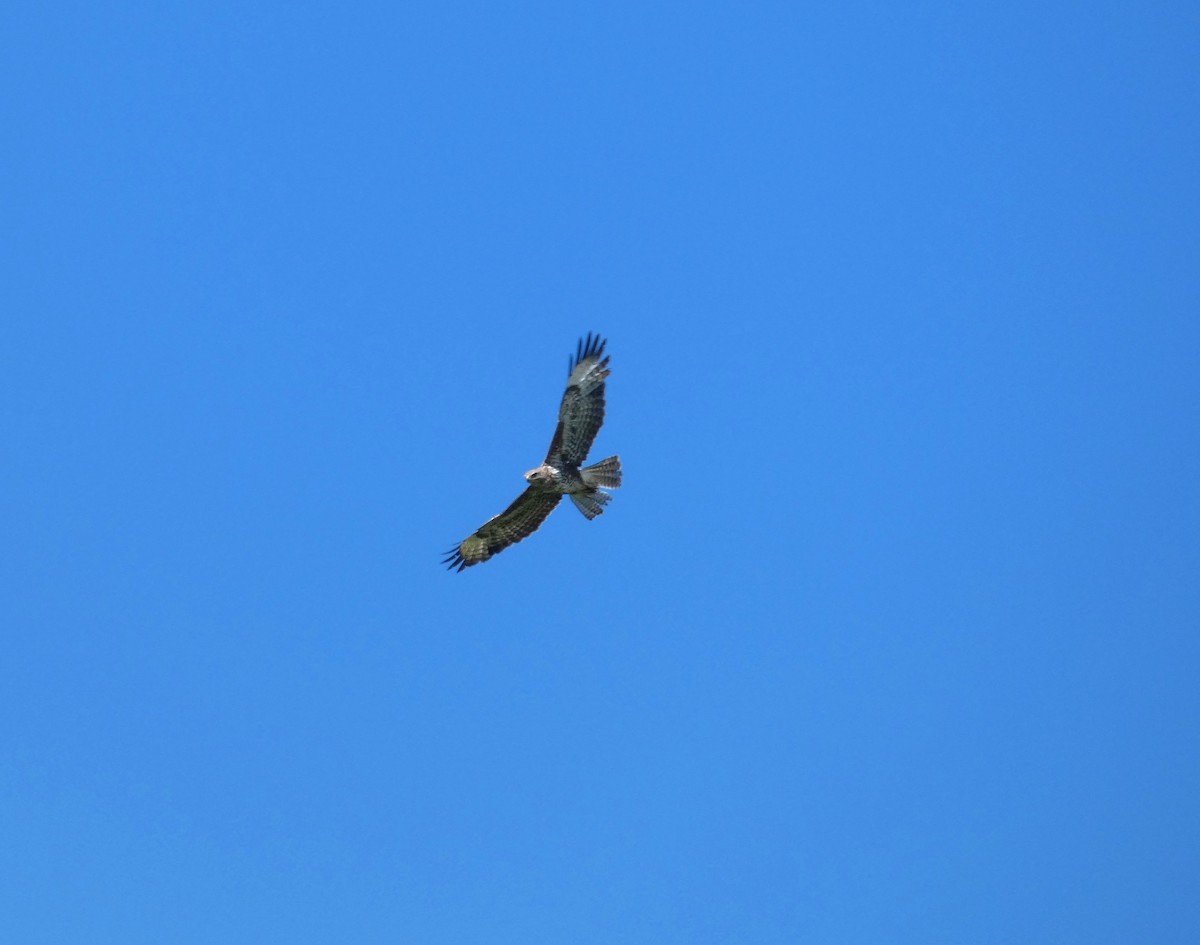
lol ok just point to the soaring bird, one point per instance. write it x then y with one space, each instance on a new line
562 473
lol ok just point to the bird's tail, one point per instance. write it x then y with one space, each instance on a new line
606 473
590 504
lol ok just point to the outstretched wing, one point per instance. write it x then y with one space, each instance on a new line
519 520
582 409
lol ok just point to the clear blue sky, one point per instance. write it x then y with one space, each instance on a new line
892 633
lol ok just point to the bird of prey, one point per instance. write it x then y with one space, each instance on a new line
579 417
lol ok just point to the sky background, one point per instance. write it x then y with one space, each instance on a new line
891 635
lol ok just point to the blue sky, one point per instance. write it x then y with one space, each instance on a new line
891 635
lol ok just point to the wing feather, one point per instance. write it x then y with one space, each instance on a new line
518 521
581 412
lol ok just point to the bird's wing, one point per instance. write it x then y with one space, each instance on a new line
519 520
582 409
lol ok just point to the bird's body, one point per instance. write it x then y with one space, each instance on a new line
565 478
580 416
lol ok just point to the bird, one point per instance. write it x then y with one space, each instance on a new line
562 473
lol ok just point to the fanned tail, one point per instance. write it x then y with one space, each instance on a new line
590 504
606 473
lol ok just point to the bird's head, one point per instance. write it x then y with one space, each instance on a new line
536 475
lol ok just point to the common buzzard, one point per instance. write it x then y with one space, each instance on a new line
579 417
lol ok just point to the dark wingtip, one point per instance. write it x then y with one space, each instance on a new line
591 346
454 559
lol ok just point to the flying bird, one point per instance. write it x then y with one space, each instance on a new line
579 418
